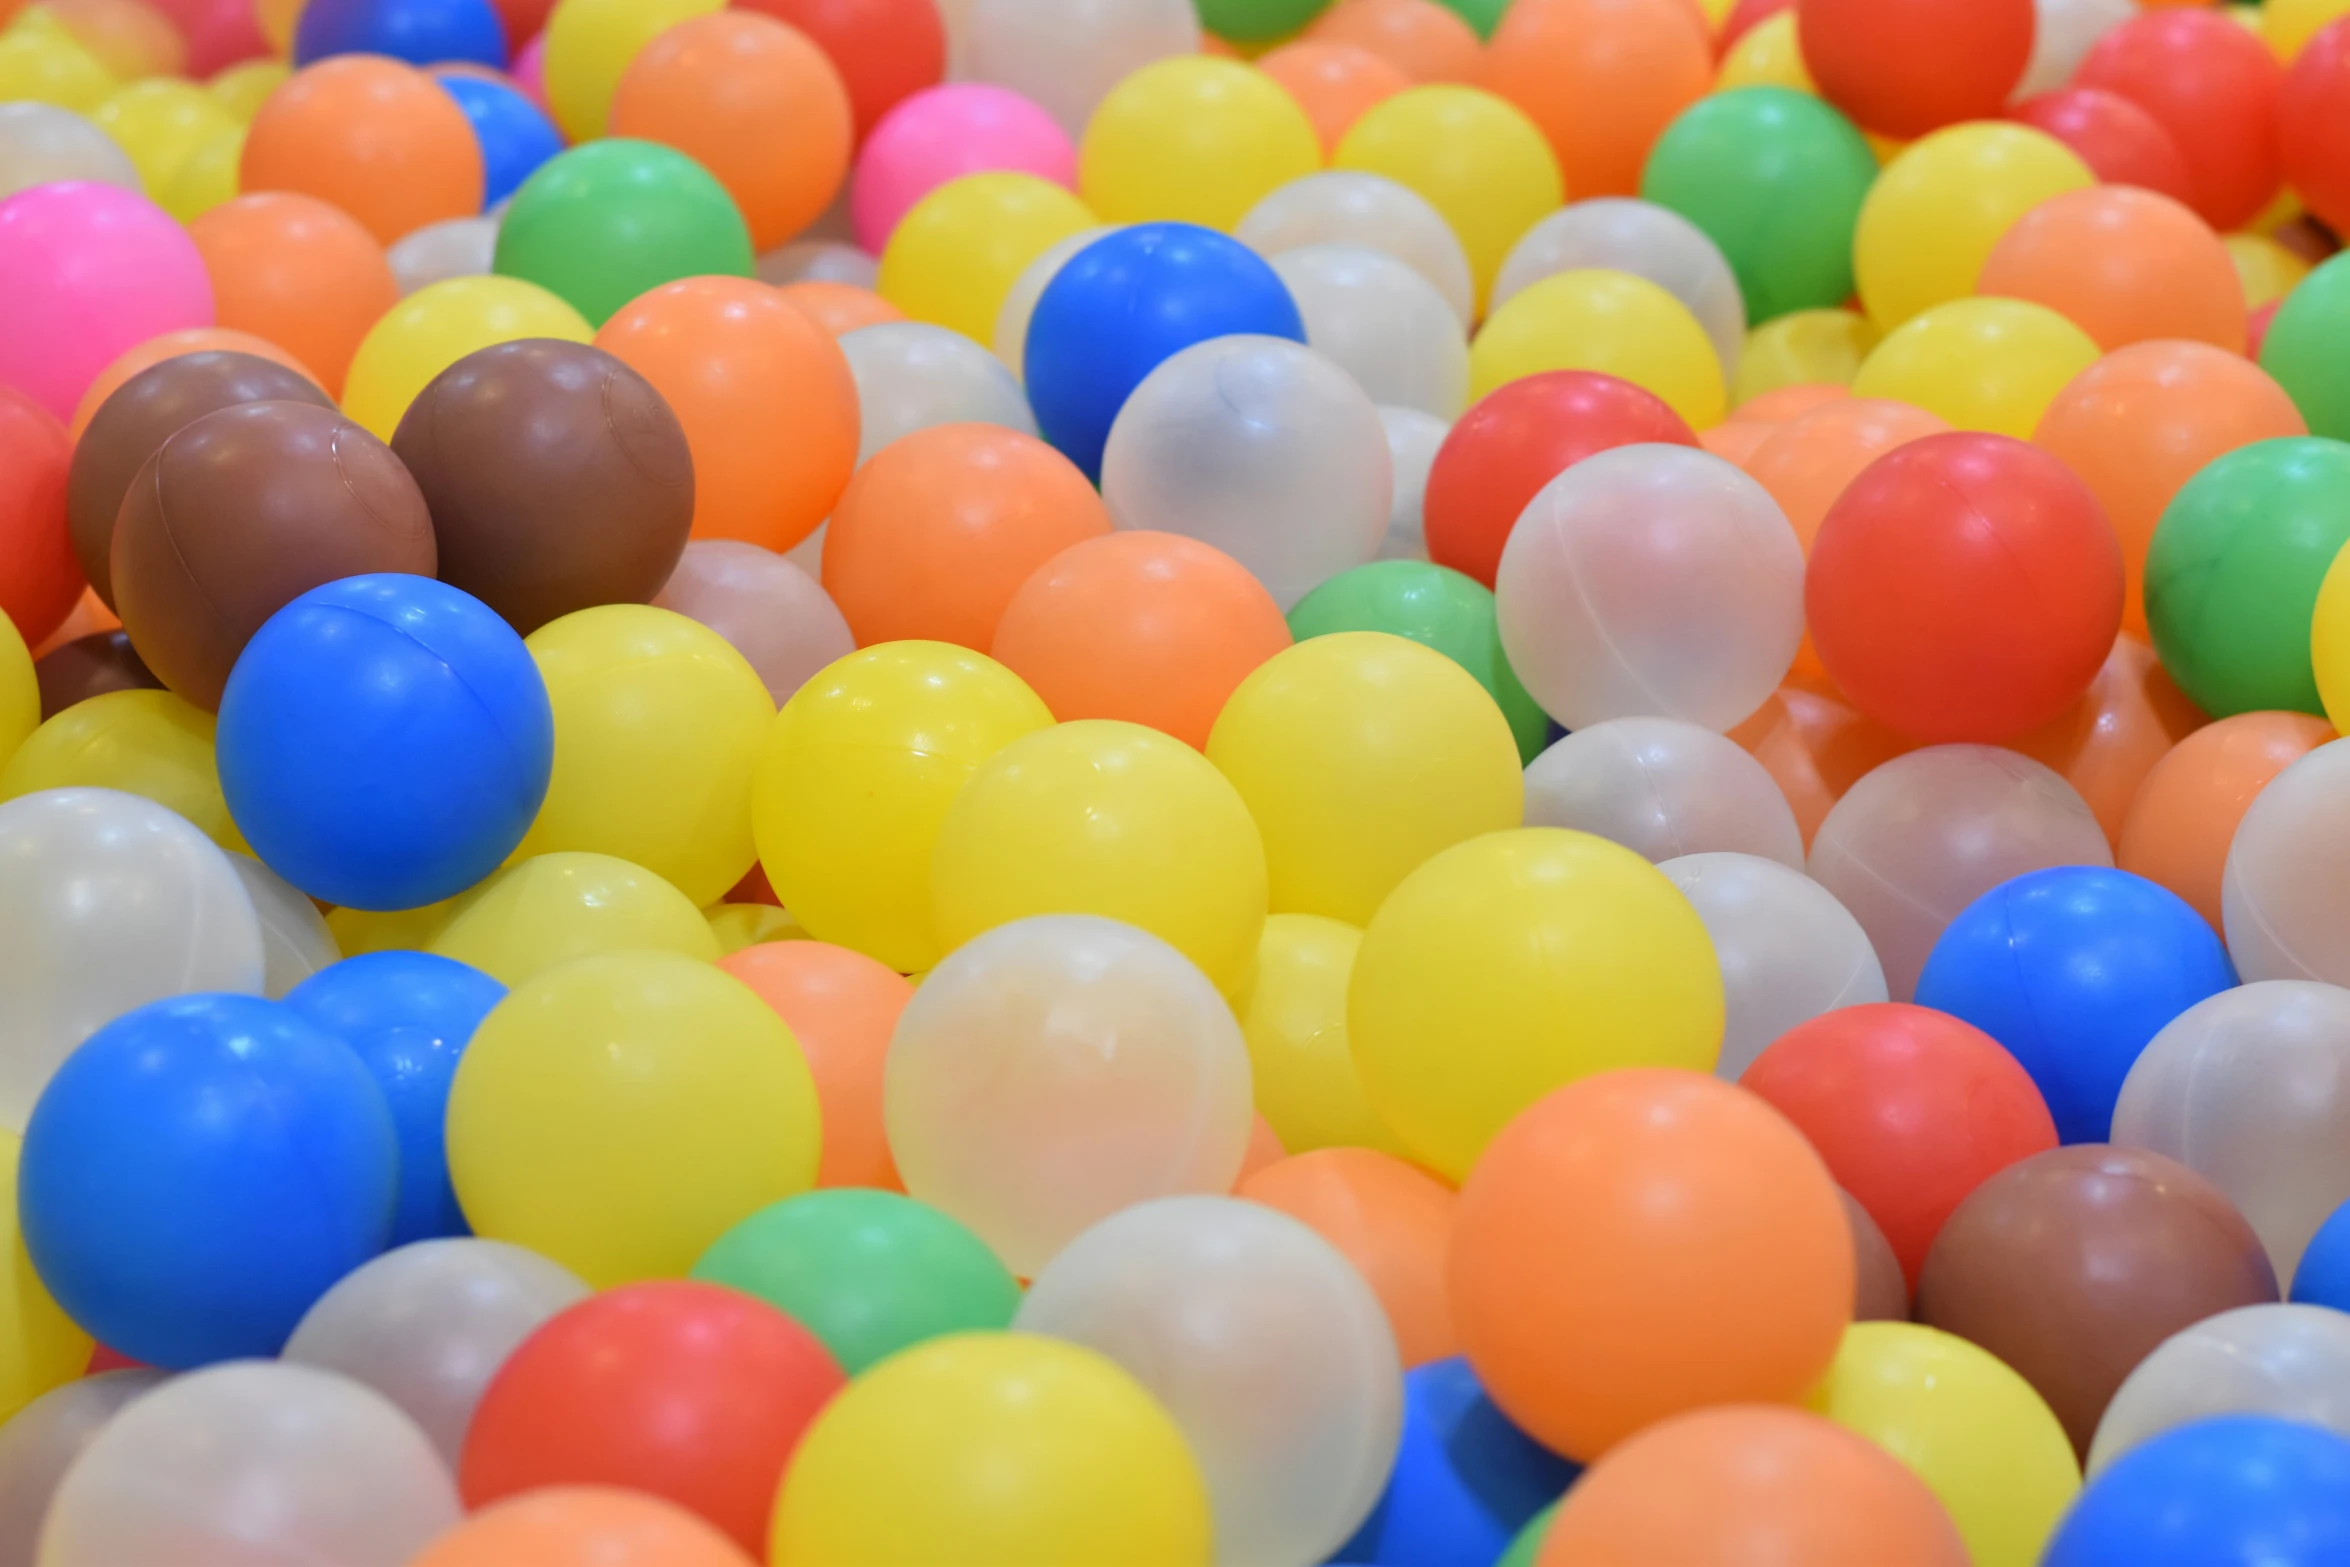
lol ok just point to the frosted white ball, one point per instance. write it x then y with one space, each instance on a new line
2063 33
819 261
771 609
1662 788
42 144
1622 234
1345 207
912 375
40 1442
1413 439
2285 898
295 941
1382 323
2292 1362
437 252
1066 55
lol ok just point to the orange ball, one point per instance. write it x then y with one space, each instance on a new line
2124 265
1815 745
1602 78
2142 421
1736 440
1152 628
841 1006
1783 403
2105 744
132 39
839 307
2184 817
195 340
1751 1487
583 1526
936 533
754 101
1642 1243
765 396
1426 41
1391 1219
1333 83
298 272
376 138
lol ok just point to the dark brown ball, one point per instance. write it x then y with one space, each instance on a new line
557 477
240 513
144 412
90 666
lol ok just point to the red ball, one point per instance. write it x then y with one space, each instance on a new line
1518 439
1906 67
2213 86
885 50
2121 143
1744 18
1964 587
2313 125
691 1392
39 576
1910 1108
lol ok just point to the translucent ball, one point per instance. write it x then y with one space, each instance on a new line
437 252
1651 580
2292 1362
1264 1343
41 144
40 1442
2063 33
429 1324
1261 447
911 375
819 261
1066 55
1412 440
1347 207
253 1461
1788 950
2286 896
1662 788
1918 839
295 942
1058 1069
1382 323
1626 235
771 610
2250 1089
1011 321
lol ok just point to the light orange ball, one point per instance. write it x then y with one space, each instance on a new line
372 136
2124 265
1333 83
298 272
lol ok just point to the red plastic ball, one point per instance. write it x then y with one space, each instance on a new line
1906 67
2213 86
39 577
1964 587
885 50
1516 440
2313 124
2121 143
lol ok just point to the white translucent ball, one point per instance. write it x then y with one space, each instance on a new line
912 375
1622 234
1413 439
1788 950
2285 898
1019 306
1261 447
1345 207
295 941
40 1442
2063 33
1662 788
1066 55
2290 1362
1382 323
819 261
437 252
773 612
1651 580
1060 1068
1264 1343
42 144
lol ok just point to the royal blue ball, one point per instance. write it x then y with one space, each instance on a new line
2238 1491
2322 1277
2075 970
385 741
421 32
199 1172
1126 303
515 134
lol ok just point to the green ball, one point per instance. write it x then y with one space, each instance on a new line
1776 178
1483 15
2308 348
1257 21
869 1272
1436 607
2233 573
607 221
1528 1544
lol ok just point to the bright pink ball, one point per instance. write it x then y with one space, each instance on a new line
944 133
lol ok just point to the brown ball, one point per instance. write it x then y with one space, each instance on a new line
240 513
144 412
2072 1265
1880 1293
557 477
90 666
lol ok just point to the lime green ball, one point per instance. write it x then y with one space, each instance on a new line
2308 348
1257 21
607 221
1483 15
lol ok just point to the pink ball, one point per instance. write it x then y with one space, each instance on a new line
219 33
88 272
530 71
944 133
775 614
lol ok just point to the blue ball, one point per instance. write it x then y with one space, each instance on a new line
1125 303
421 32
2323 1276
515 136
2075 970
199 1172
408 1016
384 741
1465 1479
2238 1491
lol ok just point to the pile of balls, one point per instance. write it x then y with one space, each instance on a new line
1137 783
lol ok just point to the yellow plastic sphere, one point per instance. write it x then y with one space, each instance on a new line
740 925
207 178
590 44
1981 364
147 743
1193 139
48 65
277 20
658 727
242 88
161 123
397 930
858 773
953 258
1613 322
20 691
2289 24
1473 156
2329 642
1294 1016
994 1450
552 908
1803 348
1360 755
1976 1432
1109 818
1767 54
40 1348
2267 269
1934 214
438 325
1517 962
620 1113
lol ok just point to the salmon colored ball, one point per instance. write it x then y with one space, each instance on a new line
1602 78
840 1007
1333 83
839 308
1786 404
2105 744
1425 40
2183 819
1391 1219
372 136
2124 266
299 273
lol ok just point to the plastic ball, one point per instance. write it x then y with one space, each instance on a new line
1335 83
563 1525
1413 439
1465 1479
541 913
372 136
421 32
1909 71
43 144
955 258
2121 143
841 1007
1294 1019
1010 336
437 252
1347 207
1067 55
515 134
1804 348
1382 323
2302 347
2322 1279
1607 321
942 133
1599 78
162 125
2124 265
601 224
433 328
2329 642
1934 216
2063 31
1428 41
1390 1219
589 46
2211 1490
839 308
1808 463
295 940
911 375
1640 238
41 1348
885 50
2309 113
38 1449
2279 896
2214 87
147 743
1994 365
1662 788
75 671
296 272
2185 813
47 64
38 569
1192 140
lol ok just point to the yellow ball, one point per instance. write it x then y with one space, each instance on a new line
397 930
207 178
553 908
1934 214
1974 1431
590 44
241 88
953 258
435 327
1193 139
620 1113
658 727
994 1450
147 743
858 773
40 1348
1294 1016
2329 642
2266 269
1767 54
161 123
48 65
1517 962
1473 156
1804 348
1982 364
1612 322
1109 818
1360 755
2289 24
20 691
